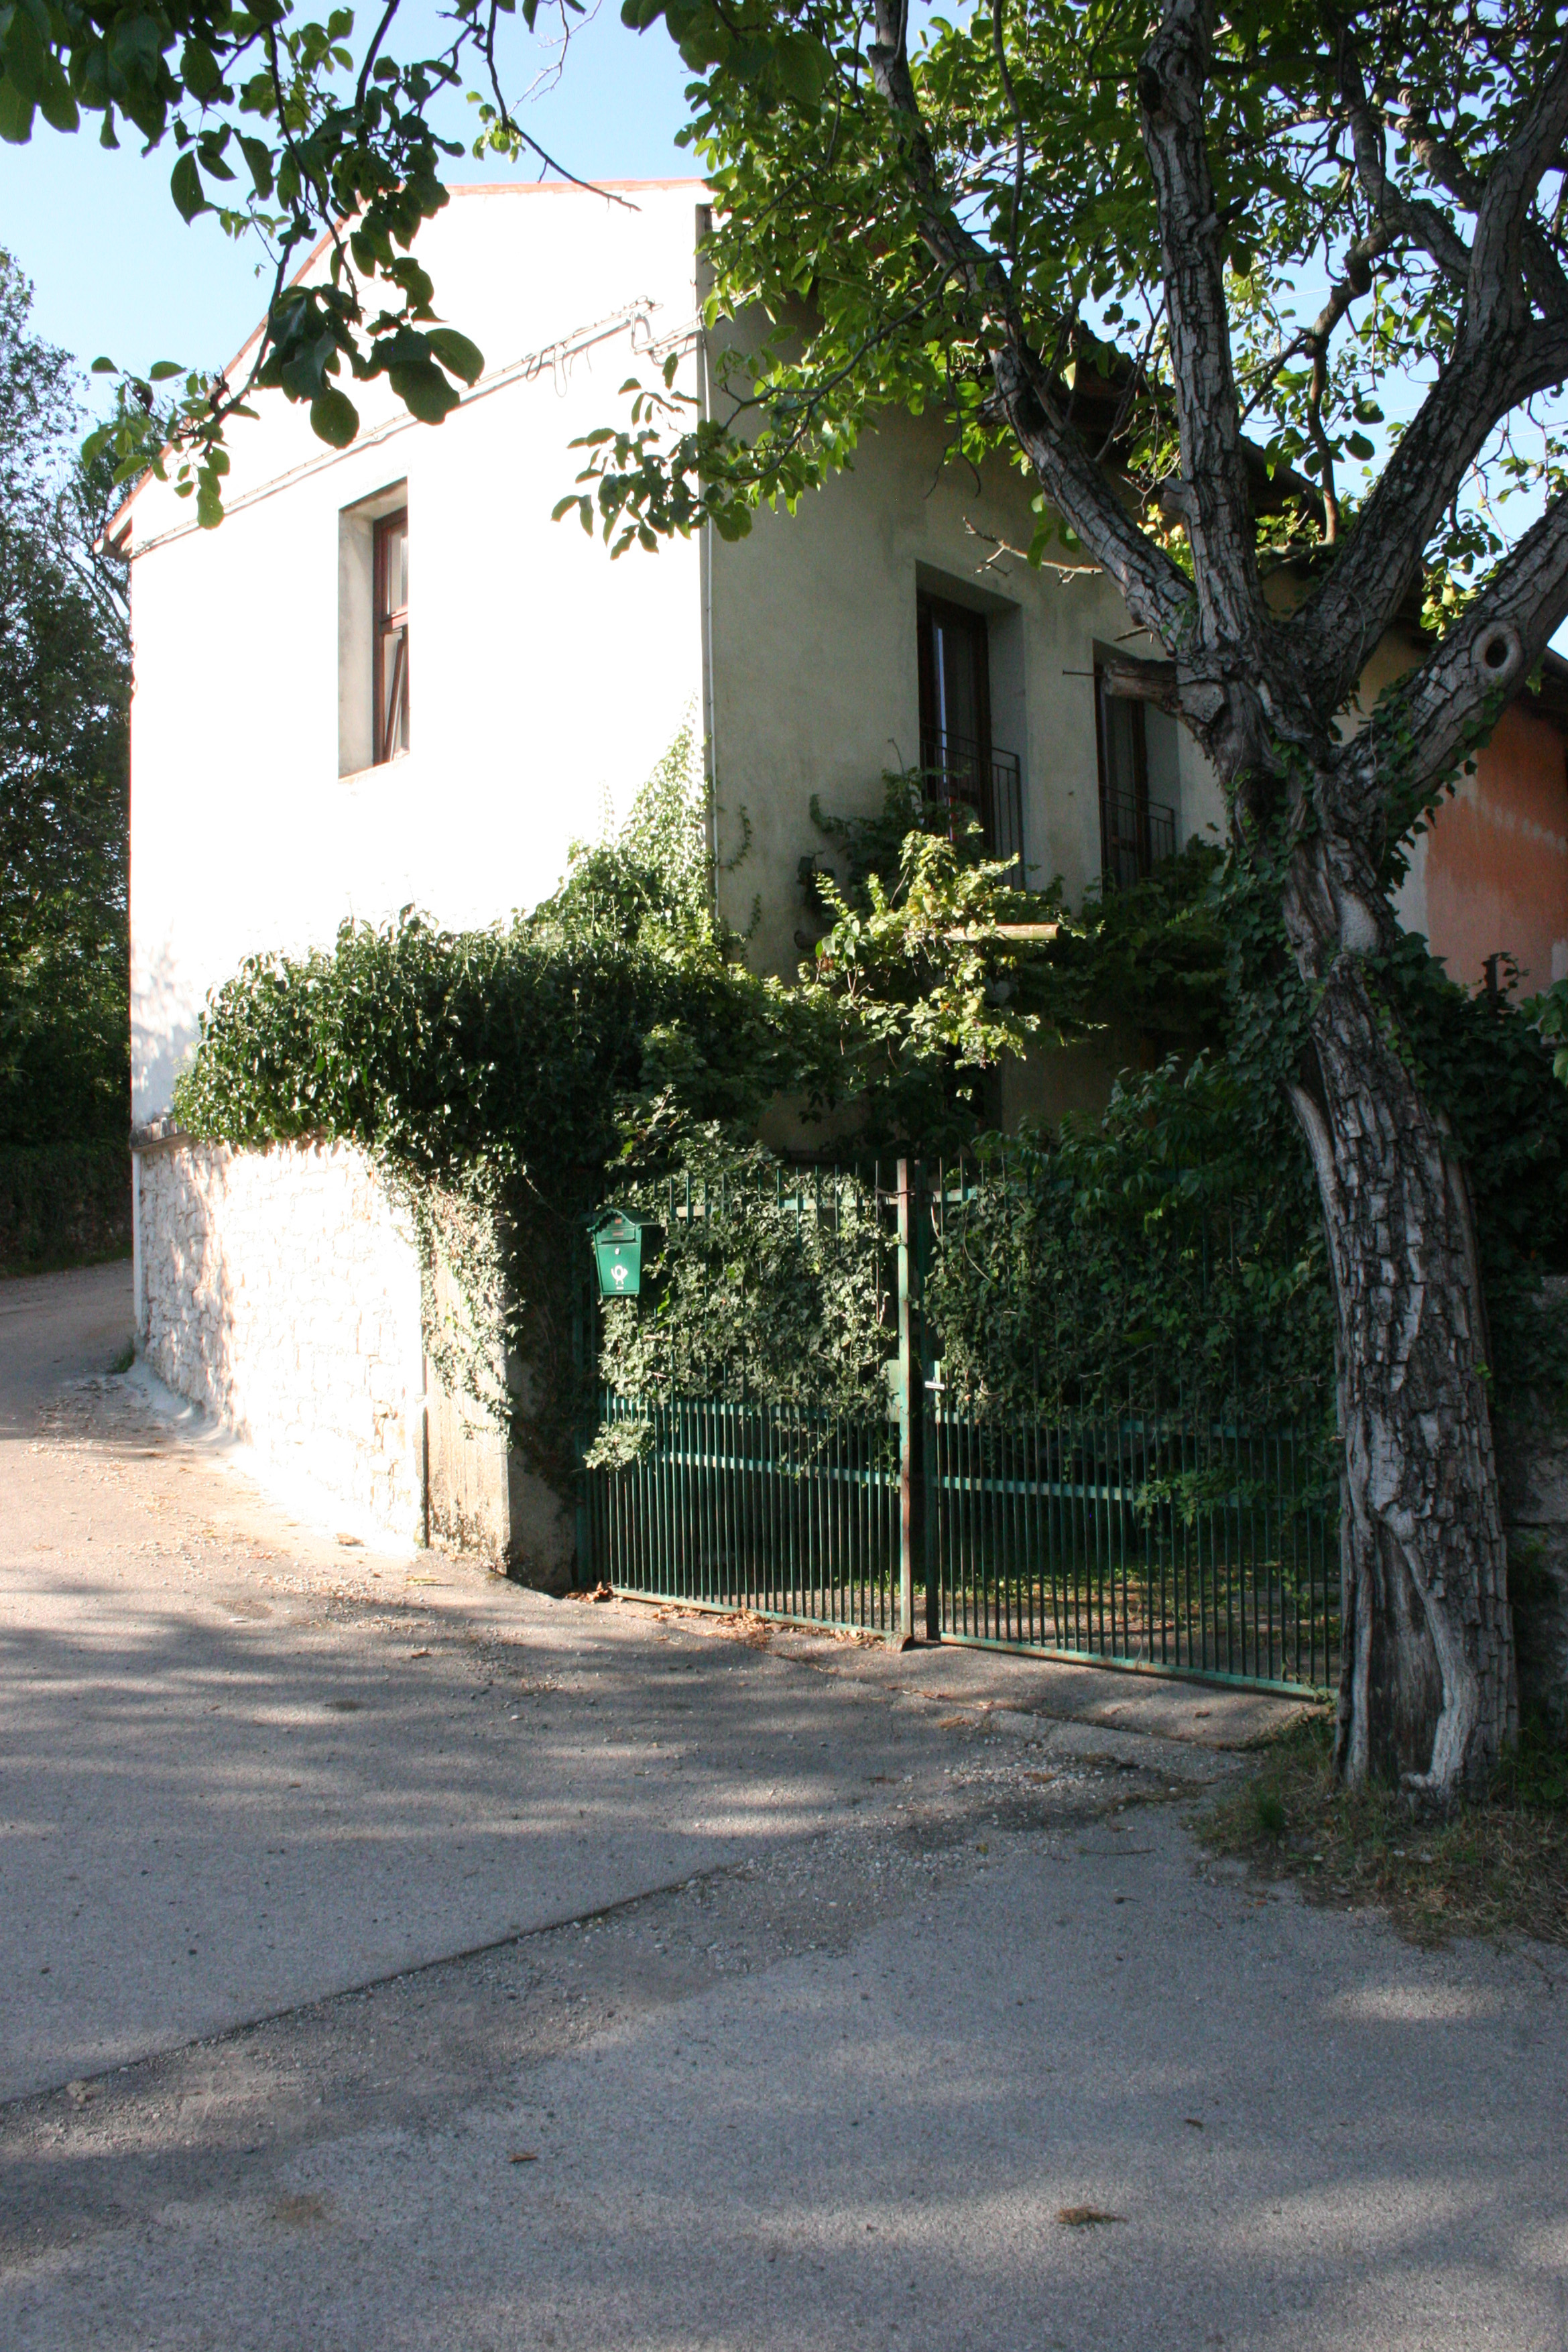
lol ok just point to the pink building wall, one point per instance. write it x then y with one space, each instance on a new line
1496 858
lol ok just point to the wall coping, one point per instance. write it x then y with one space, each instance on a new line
162 1135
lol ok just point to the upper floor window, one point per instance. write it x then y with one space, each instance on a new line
372 630
1136 832
958 761
391 660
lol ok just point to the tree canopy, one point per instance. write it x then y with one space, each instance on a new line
931 199
64 688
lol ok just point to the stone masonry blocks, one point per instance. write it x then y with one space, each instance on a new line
280 1291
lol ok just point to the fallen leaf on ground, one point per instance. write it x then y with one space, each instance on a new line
953 1722
1086 2217
418 1653
301 2211
524 2156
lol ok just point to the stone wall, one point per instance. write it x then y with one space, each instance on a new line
1532 1469
279 1289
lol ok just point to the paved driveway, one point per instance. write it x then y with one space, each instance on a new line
392 1958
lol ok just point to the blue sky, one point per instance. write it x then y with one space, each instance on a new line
115 269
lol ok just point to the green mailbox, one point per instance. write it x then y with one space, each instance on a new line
620 1242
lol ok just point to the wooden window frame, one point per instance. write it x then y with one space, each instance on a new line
931 609
386 624
1142 845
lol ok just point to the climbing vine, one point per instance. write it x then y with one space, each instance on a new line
1170 1256
770 1285
508 1082
498 1078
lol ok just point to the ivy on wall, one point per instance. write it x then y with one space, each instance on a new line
1170 1256
509 1081
772 1283
497 1077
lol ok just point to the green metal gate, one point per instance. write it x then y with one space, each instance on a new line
764 1507
1066 1538
1172 1544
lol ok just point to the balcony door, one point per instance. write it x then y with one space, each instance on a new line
960 765
955 686
1135 833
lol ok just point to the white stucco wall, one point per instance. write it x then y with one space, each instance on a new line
815 680
544 676
547 679
280 1291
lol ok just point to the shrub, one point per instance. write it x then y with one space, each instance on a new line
63 1204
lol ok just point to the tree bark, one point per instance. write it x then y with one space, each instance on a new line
1428 1695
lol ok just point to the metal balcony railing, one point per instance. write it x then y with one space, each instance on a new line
1135 834
977 780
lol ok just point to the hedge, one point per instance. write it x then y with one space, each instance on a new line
63 1204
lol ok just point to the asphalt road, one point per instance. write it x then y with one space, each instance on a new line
391 1958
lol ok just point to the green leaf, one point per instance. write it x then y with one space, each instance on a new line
24 56
15 115
199 69
333 417
457 353
423 390
186 187
58 106
259 155
163 370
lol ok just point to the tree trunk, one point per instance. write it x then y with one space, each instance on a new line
1428 1695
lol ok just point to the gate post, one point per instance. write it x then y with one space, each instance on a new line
911 1402
585 1569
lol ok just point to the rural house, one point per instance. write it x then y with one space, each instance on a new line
391 680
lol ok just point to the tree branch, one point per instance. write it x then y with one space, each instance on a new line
998 38
506 123
1218 509
1510 186
1420 224
1339 625
1354 282
1544 277
1433 715
1155 593
1321 442
1499 360
382 29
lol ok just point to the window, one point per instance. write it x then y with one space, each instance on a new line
1136 832
391 635
960 765
372 630
954 683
